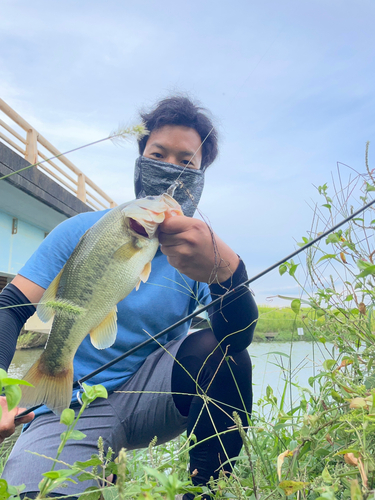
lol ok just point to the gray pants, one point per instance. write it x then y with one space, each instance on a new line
129 420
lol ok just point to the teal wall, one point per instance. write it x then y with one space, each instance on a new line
15 249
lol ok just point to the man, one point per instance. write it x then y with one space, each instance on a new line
161 388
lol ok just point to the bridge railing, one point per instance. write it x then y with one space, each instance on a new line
35 148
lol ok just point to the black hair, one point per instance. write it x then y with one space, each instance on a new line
180 110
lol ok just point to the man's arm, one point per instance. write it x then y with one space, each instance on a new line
234 317
15 308
195 251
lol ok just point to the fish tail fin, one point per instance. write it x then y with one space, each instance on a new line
55 391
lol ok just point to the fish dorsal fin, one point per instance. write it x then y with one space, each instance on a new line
125 252
144 275
44 312
104 335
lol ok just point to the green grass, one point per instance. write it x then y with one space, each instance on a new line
284 322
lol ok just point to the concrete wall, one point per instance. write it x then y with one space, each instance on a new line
15 249
37 204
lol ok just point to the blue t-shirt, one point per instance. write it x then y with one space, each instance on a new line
165 298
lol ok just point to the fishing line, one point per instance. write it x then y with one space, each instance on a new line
229 293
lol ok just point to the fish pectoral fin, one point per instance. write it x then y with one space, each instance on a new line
125 252
104 335
144 275
45 311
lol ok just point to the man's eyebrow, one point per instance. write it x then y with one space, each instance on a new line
158 146
183 153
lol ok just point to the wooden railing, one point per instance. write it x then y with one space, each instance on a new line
60 169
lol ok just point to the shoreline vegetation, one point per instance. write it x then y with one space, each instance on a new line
275 324
319 445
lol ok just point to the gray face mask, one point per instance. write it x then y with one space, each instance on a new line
154 177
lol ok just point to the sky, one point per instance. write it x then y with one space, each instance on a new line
290 86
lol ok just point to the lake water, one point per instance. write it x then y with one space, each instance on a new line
273 362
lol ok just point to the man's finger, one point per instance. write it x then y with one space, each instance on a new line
25 419
174 225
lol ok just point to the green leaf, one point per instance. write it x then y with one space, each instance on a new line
51 474
327 256
295 306
292 445
15 490
293 269
290 487
348 244
59 474
366 272
100 391
333 238
355 452
282 269
305 241
369 187
13 395
269 391
362 264
328 364
85 476
305 449
327 205
76 435
93 392
110 493
3 374
355 490
326 476
162 478
321 452
89 391
4 494
67 416
89 463
91 493
15 381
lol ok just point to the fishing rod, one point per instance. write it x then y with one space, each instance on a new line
229 293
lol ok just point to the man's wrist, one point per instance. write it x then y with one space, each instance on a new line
226 269
235 279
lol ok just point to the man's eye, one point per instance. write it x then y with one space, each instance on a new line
187 162
157 155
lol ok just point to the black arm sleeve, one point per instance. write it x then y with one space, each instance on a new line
236 314
12 320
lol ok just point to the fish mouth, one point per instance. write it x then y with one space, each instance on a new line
138 228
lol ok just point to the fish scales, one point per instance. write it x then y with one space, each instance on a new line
110 259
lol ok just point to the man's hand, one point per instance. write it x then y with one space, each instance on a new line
188 244
7 424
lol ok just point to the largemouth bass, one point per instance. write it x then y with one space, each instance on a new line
111 258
